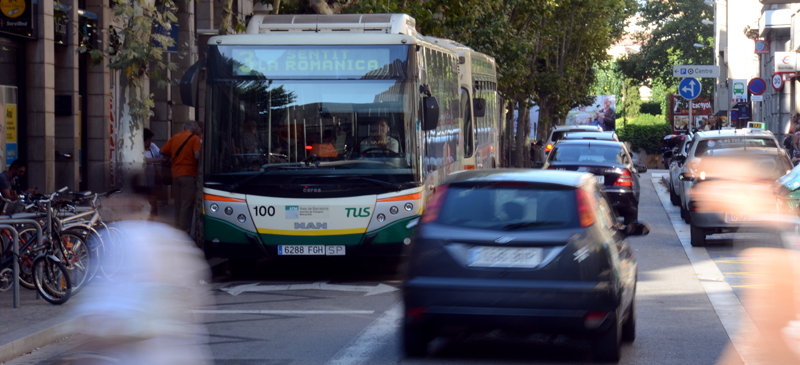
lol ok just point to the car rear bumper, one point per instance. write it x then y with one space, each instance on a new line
454 304
623 200
715 223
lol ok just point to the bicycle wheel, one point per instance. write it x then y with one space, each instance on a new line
27 242
79 260
113 253
51 279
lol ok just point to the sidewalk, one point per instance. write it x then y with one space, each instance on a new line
37 323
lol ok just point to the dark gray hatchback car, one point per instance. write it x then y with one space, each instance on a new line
521 250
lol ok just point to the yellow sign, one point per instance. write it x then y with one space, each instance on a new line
11 123
12 8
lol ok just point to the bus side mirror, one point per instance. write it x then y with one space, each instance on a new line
479 104
430 113
189 84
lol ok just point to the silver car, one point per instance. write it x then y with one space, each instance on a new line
675 186
558 132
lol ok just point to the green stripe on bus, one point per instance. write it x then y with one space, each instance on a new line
343 239
393 233
224 231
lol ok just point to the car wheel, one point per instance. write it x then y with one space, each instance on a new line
606 347
415 341
698 236
674 198
630 217
685 215
629 328
242 267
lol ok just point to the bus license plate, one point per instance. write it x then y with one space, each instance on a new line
482 256
310 250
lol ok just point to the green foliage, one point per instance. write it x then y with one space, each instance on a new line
651 108
643 137
672 28
641 119
633 100
608 79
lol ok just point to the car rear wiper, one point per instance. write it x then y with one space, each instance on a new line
378 182
513 226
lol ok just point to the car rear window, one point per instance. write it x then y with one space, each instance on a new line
746 166
509 206
732 142
580 153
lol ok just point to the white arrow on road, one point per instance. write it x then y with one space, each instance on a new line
371 290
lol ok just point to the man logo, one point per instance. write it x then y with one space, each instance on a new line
310 225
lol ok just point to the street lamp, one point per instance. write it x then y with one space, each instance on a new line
707 22
698 45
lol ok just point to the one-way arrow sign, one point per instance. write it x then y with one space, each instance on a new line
371 290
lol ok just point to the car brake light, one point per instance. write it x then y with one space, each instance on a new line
702 175
433 207
548 147
625 179
594 319
586 210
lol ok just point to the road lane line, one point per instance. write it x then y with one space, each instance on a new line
729 309
371 339
276 311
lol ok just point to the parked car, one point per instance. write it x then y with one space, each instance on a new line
558 132
612 165
527 250
703 142
733 189
675 186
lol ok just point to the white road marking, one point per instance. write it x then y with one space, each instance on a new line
371 339
731 313
276 311
255 287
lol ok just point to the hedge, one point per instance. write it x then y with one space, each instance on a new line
644 137
650 107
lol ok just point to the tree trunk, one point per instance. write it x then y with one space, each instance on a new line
130 141
523 149
276 6
508 138
225 24
322 6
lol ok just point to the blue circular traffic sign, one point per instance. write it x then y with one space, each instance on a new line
689 88
757 86
734 115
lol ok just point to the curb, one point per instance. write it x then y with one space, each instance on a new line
21 342
44 337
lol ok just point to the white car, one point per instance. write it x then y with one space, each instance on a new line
675 167
558 132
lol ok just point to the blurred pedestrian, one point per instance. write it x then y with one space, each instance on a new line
9 181
152 156
148 313
795 121
609 116
184 150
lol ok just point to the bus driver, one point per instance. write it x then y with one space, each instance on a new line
378 138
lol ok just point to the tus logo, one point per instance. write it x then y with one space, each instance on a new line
357 212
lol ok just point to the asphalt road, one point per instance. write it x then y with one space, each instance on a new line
341 312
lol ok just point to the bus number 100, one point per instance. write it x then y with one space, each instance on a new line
261 210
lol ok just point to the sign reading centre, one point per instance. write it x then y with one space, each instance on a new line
696 71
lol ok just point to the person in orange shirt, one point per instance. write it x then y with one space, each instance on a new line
184 150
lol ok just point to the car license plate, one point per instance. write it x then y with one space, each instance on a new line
483 256
734 218
312 250
600 179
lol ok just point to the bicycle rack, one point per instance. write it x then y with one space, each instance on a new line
6 224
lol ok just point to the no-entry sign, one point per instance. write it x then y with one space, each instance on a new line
757 86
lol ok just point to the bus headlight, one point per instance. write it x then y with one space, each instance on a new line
241 218
381 217
228 210
393 210
408 207
214 207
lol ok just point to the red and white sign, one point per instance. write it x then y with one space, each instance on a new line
762 47
777 81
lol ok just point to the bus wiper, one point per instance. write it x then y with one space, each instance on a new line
234 186
378 182
513 226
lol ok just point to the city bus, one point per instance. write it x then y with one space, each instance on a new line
326 134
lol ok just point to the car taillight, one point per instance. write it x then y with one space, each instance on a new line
548 147
702 175
586 210
624 179
431 212
594 319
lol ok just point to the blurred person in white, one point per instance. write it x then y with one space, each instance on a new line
143 314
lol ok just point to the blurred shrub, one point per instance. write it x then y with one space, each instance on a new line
644 137
650 107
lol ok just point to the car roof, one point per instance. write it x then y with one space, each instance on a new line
728 152
598 142
582 127
557 177
605 136
744 132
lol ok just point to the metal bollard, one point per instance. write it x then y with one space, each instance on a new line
6 225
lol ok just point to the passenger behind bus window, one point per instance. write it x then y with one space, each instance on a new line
378 138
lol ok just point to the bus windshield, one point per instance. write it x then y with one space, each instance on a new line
340 128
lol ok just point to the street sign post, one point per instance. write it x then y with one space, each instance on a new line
756 97
757 86
689 89
695 71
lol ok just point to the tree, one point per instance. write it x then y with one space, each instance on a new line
138 53
671 28
632 101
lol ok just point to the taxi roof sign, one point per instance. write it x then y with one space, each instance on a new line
756 125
